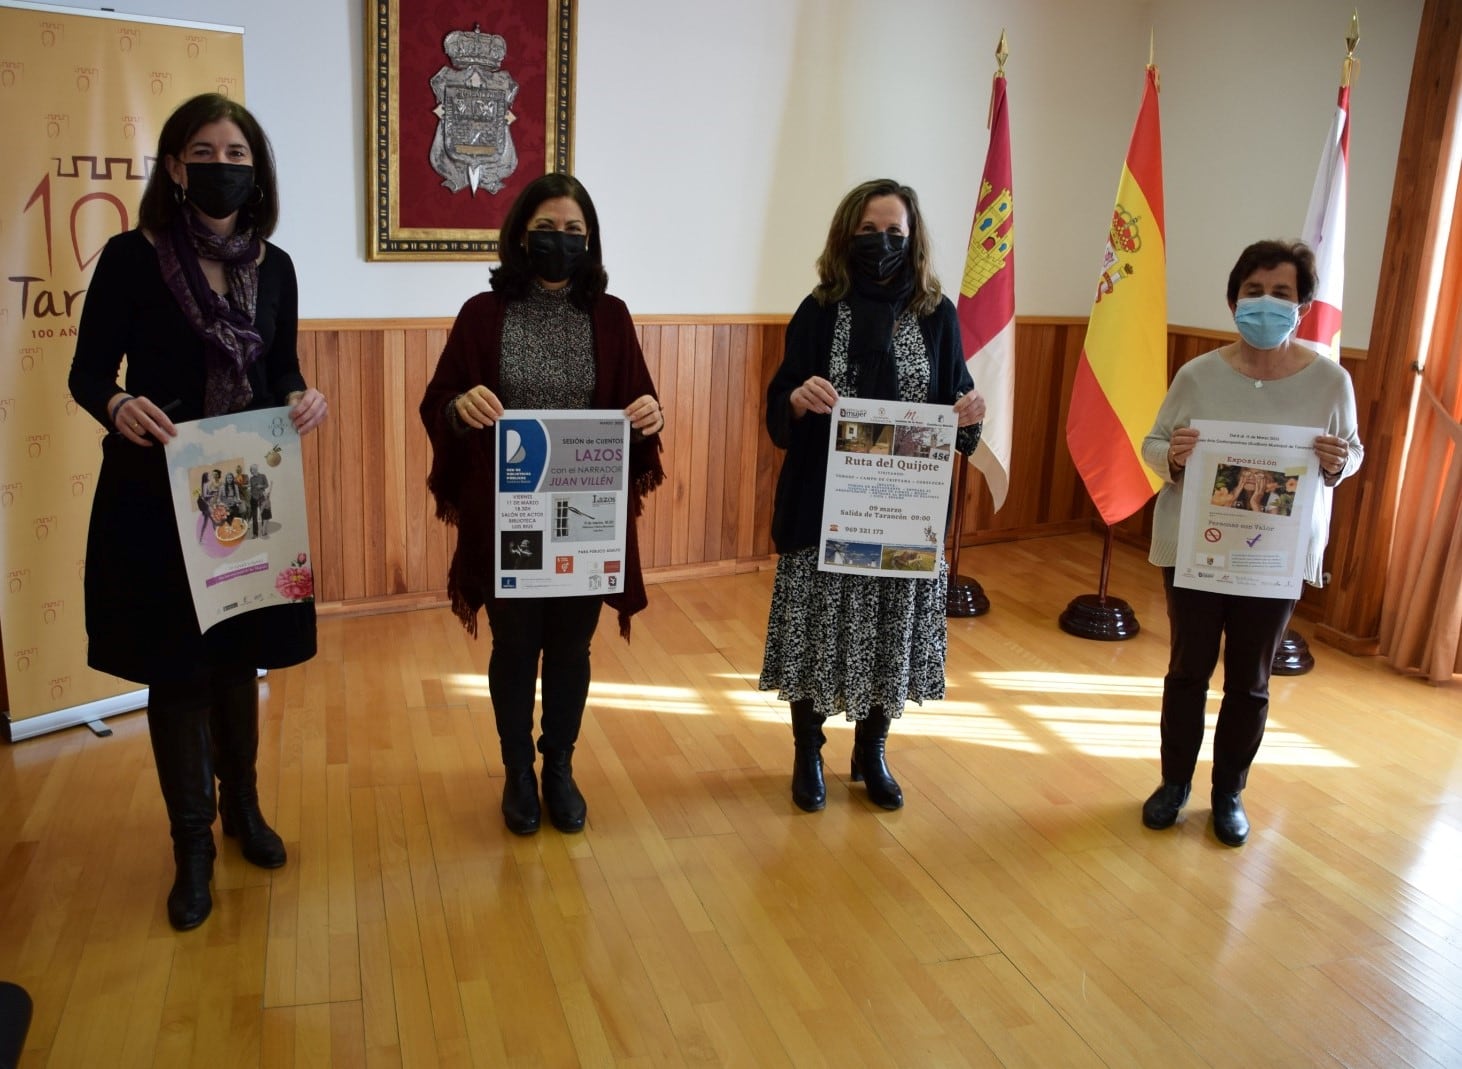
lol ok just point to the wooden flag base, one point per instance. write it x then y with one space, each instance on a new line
966 597
1293 658
1106 619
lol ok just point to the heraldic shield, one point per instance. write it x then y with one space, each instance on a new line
472 148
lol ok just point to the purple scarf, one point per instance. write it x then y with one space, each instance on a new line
226 324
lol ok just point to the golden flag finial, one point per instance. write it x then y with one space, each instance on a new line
1352 38
1001 55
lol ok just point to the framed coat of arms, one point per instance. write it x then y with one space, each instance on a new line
468 103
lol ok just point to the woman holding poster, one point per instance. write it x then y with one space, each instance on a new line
875 326
1264 378
546 337
203 309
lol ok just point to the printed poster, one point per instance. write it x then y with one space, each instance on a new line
1248 494
889 467
562 502
238 485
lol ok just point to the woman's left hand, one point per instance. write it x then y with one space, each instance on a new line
1333 453
307 410
970 408
645 415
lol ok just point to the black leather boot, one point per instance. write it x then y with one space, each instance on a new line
1230 822
521 812
235 723
566 807
870 765
177 724
809 791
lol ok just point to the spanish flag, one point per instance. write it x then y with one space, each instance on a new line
1122 374
987 302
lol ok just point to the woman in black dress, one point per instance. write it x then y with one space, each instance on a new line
204 310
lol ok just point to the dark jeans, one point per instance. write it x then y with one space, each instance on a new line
523 628
1251 630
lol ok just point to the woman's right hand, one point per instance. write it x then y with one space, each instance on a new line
479 408
815 395
139 421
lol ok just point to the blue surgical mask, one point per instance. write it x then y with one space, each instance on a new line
1264 322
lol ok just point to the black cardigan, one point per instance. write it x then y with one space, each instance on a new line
797 514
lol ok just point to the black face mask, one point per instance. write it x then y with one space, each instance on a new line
219 189
880 254
555 255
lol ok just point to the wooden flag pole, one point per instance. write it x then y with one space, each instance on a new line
965 596
1099 616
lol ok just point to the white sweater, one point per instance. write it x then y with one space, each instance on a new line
1208 388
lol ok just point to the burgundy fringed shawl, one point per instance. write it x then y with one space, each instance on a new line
461 478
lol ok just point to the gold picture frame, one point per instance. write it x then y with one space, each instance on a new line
467 103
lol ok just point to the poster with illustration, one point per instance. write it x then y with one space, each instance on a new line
238 487
1248 492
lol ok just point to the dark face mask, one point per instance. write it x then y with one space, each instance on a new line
555 255
219 189
879 255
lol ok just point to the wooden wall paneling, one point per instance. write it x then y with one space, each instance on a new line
687 407
347 474
329 563
395 503
718 457
650 345
738 444
368 481
701 459
310 455
664 341
416 463
441 540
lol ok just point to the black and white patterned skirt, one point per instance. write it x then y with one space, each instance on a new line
851 643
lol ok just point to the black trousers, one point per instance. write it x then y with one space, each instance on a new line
560 630
1251 630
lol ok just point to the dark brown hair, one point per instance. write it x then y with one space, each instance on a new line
833 265
160 204
1266 255
514 276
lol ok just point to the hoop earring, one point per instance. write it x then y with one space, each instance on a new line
258 196
180 195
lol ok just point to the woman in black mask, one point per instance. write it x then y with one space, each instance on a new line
204 310
546 337
875 326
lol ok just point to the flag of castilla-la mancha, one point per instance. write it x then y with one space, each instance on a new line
1324 233
1122 374
987 303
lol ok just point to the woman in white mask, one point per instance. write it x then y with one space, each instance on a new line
1265 377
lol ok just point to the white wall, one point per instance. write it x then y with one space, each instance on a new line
717 138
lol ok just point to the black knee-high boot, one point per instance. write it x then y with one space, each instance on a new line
235 724
809 791
870 765
177 723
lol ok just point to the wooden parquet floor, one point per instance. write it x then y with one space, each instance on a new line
1014 913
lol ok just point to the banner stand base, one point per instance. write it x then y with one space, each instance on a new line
89 714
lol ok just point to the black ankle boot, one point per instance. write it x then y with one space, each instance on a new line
870 765
235 730
189 901
566 807
1230 822
521 812
809 791
177 725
